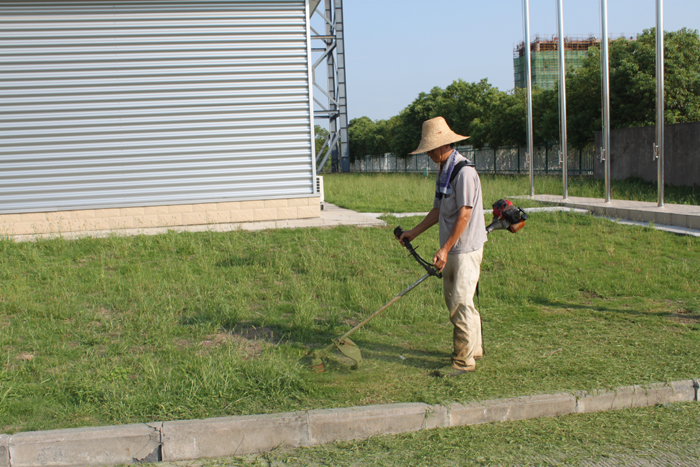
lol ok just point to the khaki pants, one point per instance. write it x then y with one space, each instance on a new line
460 277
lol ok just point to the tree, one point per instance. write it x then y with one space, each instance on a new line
499 118
321 137
368 137
583 101
682 85
462 104
466 106
633 84
406 130
504 120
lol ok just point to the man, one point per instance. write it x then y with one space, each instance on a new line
458 208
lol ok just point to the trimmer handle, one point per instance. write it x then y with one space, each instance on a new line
397 233
429 268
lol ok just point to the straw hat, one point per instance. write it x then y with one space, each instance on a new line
436 133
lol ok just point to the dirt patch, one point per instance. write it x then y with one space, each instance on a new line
182 343
216 340
250 343
25 356
104 313
143 349
590 295
250 349
257 333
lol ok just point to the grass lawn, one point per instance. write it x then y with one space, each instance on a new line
381 192
178 326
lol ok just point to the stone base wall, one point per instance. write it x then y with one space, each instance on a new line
116 219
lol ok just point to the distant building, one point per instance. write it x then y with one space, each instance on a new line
544 54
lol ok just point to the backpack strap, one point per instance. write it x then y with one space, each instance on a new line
455 170
459 166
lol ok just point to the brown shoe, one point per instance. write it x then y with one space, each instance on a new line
451 371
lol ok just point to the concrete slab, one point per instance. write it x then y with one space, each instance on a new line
231 436
346 424
666 228
679 220
635 396
675 218
675 215
86 446
521 408
693 222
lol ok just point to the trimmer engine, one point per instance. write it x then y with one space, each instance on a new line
506 216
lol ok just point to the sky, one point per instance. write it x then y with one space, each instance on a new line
396 49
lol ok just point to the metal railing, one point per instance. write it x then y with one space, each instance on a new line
502 160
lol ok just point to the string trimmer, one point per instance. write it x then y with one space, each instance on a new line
506 216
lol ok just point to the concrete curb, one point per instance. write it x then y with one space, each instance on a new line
4 451
231 436
126 444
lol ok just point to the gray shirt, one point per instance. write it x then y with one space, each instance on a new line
466 191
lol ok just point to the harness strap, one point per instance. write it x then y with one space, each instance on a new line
459 166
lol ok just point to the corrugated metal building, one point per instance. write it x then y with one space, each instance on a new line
135 114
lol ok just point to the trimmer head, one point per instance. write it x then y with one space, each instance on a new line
346 347
350 350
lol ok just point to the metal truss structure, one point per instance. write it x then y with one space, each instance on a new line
332 50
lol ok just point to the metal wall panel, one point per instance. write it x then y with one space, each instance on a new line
127 103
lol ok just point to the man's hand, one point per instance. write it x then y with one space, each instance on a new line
463 216
440 259
430 219
407 235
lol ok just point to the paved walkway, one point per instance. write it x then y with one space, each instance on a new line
331 216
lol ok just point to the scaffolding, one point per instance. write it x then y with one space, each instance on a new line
332 52
545 59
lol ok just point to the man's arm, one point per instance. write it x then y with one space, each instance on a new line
428 221
463 216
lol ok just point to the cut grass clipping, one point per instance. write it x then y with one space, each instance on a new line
180 326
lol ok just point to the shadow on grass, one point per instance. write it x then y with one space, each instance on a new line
422 359
274 333
676 316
